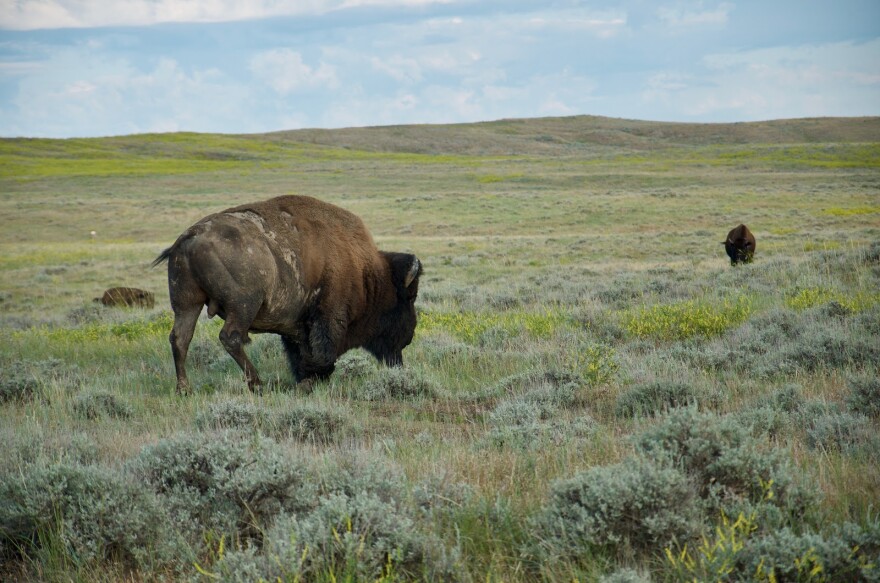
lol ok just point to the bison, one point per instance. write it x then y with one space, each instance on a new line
740 245
127 296
298 267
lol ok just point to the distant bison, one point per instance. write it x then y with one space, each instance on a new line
300 268
740 245
127 296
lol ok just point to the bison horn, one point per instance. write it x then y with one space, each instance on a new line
413 273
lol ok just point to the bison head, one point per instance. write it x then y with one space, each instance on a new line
397 325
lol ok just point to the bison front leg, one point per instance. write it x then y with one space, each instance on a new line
313 356
303 367
324 338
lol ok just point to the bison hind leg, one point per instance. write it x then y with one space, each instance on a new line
181 335
234 336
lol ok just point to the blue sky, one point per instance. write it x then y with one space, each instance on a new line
109 67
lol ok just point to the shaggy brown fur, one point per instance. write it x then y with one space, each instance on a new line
298 267
740 245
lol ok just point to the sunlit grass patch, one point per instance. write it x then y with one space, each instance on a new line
800 156
683 320
806 155
821 246
17 257
472 326
811 297
491 178
18 167
849 212
135 329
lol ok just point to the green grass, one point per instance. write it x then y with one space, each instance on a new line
684 320
817 296
567 263
470 327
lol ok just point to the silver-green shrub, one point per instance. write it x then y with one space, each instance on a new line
346 538
208 353
648 399
36 445
438 494
533 436
93 513
729 467
23 380
626 576
841 432
354 364
864 396
533 420
310 422
358 470
231 414
542 381
366 525
224 482
16 385
98 404
784 341
788 398
846 553
397 383
775 413
638 503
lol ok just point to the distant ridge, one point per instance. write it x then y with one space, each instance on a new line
582 135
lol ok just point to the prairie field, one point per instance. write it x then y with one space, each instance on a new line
593 394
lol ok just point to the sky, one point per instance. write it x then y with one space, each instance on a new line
82 68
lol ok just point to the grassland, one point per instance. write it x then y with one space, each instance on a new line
577 310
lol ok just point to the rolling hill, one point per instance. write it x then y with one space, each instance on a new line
581 135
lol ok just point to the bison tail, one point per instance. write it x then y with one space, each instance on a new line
162 257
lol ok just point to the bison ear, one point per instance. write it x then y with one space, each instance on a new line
405 272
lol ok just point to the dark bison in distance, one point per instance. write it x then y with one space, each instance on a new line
740 245
300 268
130 297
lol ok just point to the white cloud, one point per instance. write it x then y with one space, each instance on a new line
10 68
602 25
79 88
391 3
554 106
837 79
36 14
357 110
76 93
285 72
695 14
401 69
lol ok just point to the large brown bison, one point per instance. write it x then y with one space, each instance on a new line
740 245
130 297
298 267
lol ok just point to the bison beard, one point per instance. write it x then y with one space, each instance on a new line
298 267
